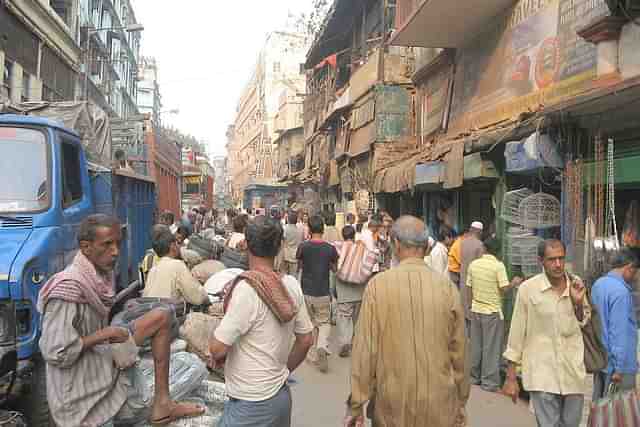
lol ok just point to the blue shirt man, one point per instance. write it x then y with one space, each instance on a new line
612 298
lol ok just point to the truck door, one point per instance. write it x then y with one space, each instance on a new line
75 194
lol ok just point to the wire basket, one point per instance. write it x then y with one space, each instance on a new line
540 210
511 205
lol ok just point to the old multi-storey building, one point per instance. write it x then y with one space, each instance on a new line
109 35
222 183
198 178
149 97
358 104
39 54
46 47
251 138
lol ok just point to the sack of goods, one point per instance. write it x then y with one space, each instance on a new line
206 248
196 331
186 375
356 262
233 258
212 395
203 271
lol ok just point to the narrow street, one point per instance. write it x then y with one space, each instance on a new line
318 400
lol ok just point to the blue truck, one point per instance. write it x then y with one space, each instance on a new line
48 186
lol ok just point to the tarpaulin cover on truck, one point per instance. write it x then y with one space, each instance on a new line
88 120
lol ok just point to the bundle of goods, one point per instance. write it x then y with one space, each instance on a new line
186 375
206 248
203 271
210 394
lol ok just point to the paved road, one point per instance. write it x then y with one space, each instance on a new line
318 401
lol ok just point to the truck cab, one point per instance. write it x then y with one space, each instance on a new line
48 188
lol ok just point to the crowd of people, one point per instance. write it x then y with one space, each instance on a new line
424 324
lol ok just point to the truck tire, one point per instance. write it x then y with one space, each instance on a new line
37 406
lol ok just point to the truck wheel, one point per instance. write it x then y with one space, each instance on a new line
37 407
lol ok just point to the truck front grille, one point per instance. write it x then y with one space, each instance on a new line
18 222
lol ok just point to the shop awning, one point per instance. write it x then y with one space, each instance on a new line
191 179
609 109
443 23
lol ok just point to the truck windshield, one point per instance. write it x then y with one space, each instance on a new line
23 170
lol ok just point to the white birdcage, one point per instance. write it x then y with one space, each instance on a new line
540 210
522 248
511 205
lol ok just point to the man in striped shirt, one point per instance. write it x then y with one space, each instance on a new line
487 279
84 386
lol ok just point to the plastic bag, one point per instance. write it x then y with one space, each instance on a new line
186 374
125 354
12 419
631 230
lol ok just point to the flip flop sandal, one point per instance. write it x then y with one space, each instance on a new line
173 416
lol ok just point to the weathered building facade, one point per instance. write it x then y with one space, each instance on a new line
46 47
251 139
39 53
149 99
198 178
524 119
222 183
358 104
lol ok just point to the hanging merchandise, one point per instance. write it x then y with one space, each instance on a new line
631 230
609 242
612 242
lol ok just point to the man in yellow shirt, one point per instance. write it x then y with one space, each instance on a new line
487 279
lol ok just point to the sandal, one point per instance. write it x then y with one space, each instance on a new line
178 411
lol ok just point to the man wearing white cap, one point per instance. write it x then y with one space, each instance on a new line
471 249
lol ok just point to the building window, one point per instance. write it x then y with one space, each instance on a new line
71 176
6 78
192 188
276 67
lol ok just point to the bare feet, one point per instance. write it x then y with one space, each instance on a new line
175 411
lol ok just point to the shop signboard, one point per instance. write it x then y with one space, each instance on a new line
531 57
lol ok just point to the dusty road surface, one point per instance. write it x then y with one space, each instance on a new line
318 400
